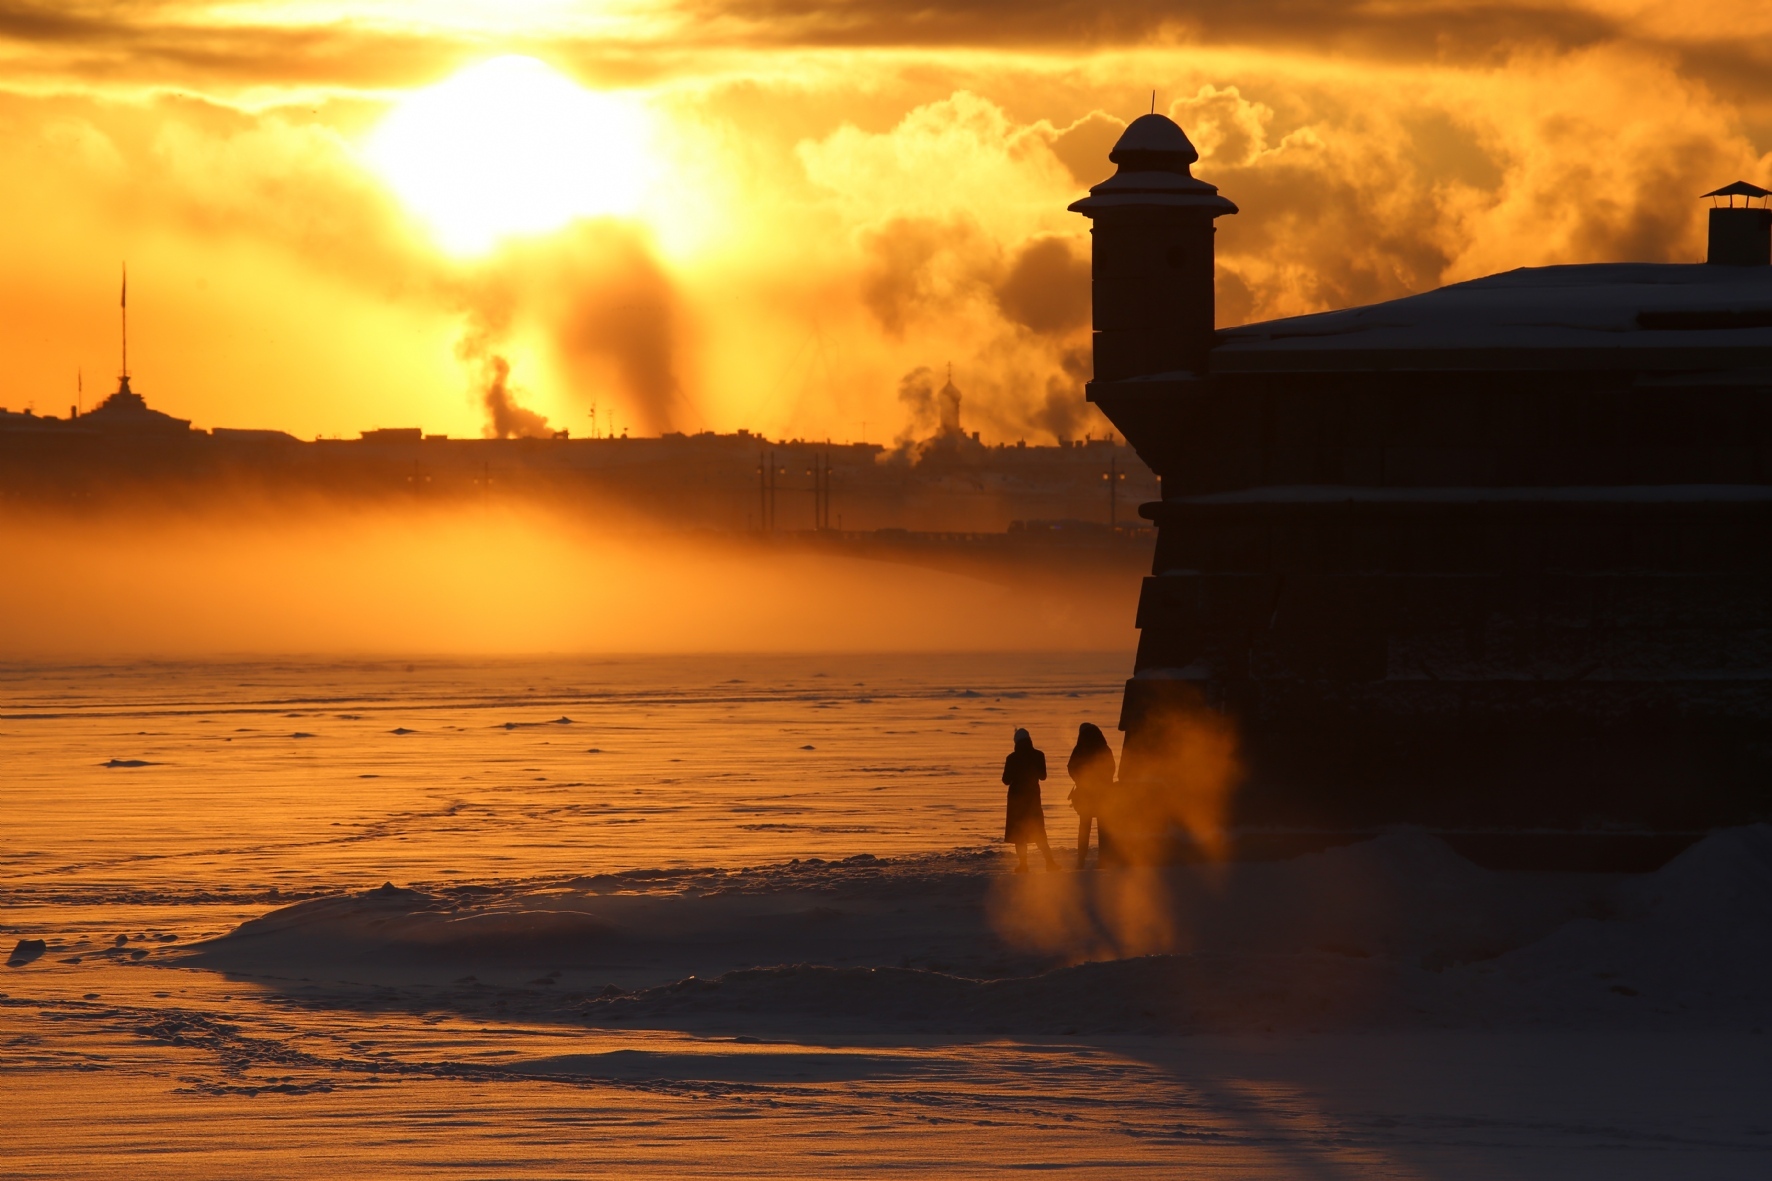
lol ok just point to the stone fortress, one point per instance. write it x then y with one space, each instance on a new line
1492 559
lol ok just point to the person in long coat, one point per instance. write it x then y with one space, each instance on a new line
1091 768
1025 820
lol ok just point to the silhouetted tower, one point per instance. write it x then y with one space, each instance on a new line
1153 259
1740 235
947 407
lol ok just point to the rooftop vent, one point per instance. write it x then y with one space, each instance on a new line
1740 235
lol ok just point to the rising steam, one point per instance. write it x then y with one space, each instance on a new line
1178 773
614 320
505 418
916 393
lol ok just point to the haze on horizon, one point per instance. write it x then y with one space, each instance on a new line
766 213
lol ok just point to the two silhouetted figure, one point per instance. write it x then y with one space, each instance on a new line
1091 769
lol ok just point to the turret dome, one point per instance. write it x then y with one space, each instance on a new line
1154 143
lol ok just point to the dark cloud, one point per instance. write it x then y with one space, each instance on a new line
179 43
1358 251
923 267
1446 30
1062 412
1027 362
1235 302
1046 288
914 264
1647 222
1083 147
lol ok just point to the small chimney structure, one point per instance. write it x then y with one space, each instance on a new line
1152 260
1740 235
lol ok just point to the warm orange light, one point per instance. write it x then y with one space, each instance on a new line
511 147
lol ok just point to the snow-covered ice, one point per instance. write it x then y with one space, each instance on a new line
706 949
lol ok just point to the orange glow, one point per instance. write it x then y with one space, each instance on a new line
510 147
333 222
454 581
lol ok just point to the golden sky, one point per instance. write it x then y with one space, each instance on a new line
772 213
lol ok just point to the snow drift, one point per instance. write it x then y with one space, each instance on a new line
1394 931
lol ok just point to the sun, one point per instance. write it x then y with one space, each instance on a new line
511 147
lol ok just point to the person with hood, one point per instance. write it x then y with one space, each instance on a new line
1025 820
1092 770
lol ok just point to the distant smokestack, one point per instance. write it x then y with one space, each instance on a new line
1740 235
505 418
1153 260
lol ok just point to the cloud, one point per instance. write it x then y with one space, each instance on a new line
1452 30
1083 147
919 267
185 43
974 262
1045 287
1592 156
830 215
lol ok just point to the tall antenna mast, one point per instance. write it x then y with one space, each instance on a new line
123 302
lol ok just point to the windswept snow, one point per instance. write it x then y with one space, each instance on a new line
1395 932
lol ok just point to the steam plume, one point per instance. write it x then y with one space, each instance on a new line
1177 776
618 318
505 418
916 393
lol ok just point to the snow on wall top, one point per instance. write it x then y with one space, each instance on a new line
1595 315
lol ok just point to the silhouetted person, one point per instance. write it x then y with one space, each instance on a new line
1025 820
1092 770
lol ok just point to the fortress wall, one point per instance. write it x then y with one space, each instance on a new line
1425 429
1475 663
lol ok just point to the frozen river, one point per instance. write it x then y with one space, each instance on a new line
744 916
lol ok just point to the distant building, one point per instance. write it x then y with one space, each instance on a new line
947 408
741 482
127 412
1493 559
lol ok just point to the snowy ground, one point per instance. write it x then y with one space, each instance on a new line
227 990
